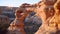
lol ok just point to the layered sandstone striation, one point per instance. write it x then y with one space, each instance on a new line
50 16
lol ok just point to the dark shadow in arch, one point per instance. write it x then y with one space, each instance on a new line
32 23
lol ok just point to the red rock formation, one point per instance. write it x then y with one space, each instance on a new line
17 26
47 10
56 17
50 17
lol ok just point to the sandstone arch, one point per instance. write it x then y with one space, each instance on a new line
49 11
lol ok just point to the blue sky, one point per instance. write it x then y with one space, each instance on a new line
16 3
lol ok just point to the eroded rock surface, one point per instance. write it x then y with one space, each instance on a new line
50 17
17 26
47 10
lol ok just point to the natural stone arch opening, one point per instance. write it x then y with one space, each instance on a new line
34 21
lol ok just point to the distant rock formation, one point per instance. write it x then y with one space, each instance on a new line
0 11
8 11
4 24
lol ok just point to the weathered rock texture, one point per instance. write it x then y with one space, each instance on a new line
50 16
17 26
47 10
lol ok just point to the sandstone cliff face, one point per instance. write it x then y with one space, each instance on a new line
50 16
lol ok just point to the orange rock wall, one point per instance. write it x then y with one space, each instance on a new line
48 11
50 16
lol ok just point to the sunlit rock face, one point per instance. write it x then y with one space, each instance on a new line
56 17
50 16
49 2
